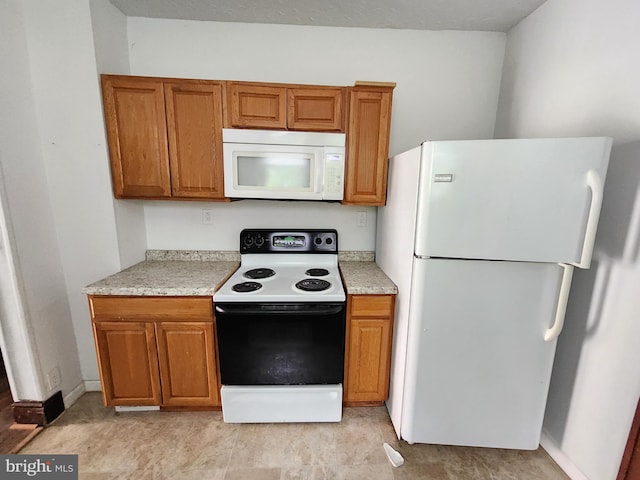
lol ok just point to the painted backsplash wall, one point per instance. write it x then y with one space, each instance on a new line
178 225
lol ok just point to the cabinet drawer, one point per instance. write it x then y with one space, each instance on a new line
371 305
151 308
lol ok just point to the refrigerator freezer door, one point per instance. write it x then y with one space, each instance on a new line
524 199
478 367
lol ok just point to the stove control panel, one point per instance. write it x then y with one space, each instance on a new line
254 240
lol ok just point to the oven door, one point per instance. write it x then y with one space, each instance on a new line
281 343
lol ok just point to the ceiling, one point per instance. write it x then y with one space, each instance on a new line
487 15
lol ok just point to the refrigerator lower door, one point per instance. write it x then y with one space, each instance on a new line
532 200
478 367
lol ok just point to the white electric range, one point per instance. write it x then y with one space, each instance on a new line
280 324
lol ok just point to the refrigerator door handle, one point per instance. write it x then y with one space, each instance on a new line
563 297
594 182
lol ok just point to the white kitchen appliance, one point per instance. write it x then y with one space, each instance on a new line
280 324
481 238
283 165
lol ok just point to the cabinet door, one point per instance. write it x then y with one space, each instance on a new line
128 363
316 109
370 325
368 145
187 364
137 135
368 378
256 106
194 126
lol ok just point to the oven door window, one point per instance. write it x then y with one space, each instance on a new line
276 344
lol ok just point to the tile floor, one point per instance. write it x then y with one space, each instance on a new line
199 445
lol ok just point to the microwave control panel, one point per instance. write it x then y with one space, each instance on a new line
333 173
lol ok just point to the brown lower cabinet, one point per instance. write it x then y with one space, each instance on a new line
161 351
368 351
156 350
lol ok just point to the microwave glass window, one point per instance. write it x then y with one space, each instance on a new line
275 171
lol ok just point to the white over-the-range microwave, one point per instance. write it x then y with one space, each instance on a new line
285 165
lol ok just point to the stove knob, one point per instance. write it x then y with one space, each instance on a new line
259 240
248 241
318 241
329 241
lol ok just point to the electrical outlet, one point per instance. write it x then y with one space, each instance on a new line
361 219
207 216
53 378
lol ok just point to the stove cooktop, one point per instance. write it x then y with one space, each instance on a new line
285 266
289 283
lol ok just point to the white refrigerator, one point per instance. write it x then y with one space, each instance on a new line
481 238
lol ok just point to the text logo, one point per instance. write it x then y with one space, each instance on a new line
51 467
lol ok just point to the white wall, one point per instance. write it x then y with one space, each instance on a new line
570 69
45 329
112 56
62 60
178 225
447 87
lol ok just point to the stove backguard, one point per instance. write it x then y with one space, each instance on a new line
260 240
281 344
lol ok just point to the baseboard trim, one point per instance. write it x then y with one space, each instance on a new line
564 462
39 412
73 396
92 386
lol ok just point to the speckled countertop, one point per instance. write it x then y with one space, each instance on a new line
167 273
365 277
195 273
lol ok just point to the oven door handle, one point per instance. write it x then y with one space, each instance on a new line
280 309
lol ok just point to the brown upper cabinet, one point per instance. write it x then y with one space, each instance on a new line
165 137
368 144
256 105
316 108
285 107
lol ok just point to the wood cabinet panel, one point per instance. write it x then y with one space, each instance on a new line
368 145
194 126
156 350
256 106
187 364
128 363
630 463
136 132
368 350
371 305
151 308
316 109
